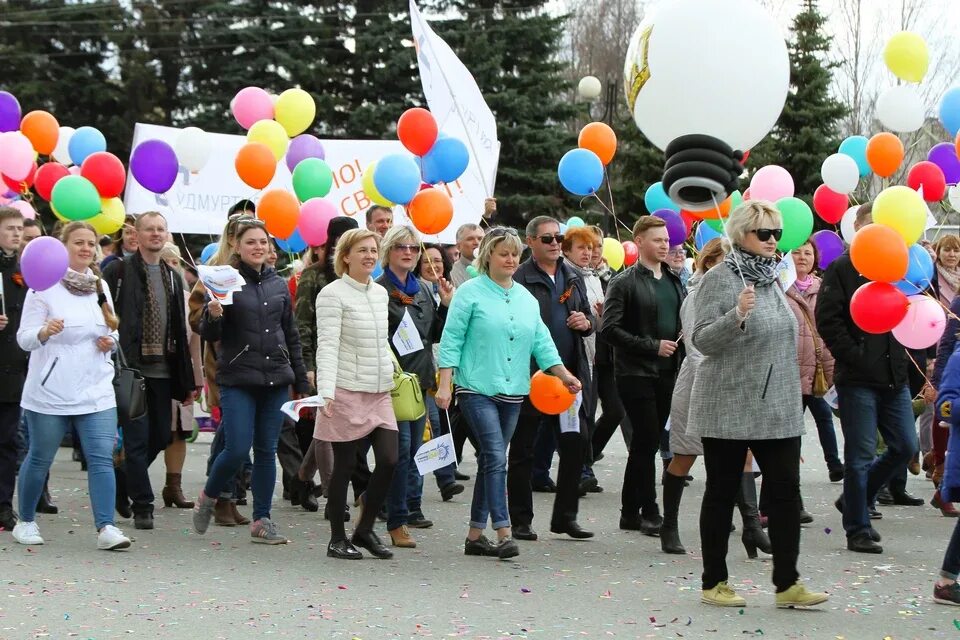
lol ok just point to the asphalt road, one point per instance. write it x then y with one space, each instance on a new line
175 584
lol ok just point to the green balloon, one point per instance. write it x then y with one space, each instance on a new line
715 224
75 198
736 199
312 178
472 271
797 223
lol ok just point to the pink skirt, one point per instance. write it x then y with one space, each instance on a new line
355 415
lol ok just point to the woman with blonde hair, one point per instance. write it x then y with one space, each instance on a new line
70 331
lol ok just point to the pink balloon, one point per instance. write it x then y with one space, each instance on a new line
923 325
25 208
771 183
16 155
250 105
315 217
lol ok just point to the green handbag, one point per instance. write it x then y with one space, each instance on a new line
407 396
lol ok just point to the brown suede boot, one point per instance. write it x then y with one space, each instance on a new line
401 538
238 517
173 493
223 513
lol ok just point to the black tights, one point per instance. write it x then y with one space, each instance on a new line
344 460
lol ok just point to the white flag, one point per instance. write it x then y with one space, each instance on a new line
435 454
221 281
292 407
456 102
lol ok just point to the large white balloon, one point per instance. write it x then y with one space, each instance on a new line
846 224
680 66
589 88
901 109
192 148
841 173
61 152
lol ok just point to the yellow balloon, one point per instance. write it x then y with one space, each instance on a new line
295 110
110 218
903 210
907 57
613 253
366 181
272 134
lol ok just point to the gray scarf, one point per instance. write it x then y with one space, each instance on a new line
755 270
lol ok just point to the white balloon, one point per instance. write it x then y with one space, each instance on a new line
841 173
900 109
846 224
677 72
192 148
589 88
62 151
953 196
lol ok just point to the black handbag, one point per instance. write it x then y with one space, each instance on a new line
131 391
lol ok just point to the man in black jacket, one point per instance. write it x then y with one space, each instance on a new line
641 321
149 299
565 310
13 360
871 378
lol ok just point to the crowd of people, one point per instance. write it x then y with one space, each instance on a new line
713 360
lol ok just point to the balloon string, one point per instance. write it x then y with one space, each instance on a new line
723 229
613 208
186 248
922 372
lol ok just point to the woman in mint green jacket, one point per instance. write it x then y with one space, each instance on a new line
493 328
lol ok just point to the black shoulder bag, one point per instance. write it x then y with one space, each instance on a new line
131 391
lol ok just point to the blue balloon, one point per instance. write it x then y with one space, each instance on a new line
950 111
856 148
294 244
920 270
656 198
705 233
575 221
563 228
446 161
85 142
580 172
208 252
397 177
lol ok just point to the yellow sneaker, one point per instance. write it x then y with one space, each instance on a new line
798 596
722 596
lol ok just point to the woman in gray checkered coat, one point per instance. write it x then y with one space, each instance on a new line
747 396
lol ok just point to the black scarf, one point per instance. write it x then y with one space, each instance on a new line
754 269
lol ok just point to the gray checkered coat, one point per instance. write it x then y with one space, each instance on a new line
747 385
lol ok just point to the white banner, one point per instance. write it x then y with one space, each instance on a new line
198 203
435 454
457 104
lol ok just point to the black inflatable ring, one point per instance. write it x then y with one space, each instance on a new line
701 171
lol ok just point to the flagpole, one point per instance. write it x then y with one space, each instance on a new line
447 413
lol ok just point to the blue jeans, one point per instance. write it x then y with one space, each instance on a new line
864 410
444 476
492 422
253 419
409 439
98 432
823 416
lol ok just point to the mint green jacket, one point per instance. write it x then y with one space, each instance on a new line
491 334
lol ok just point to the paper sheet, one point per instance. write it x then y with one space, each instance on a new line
221 281
787 271
292 408
570 419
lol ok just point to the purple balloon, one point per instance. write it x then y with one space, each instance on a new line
944 155
829 244
302 147
44 262
676 228
154 164
9 112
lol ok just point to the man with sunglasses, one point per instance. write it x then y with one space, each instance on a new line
641 321
565 309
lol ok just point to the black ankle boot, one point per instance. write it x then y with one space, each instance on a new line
669 533
753 537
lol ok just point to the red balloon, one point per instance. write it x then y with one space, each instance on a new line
746 156
47 176
106 173
630 252
929 176
878 307
829 204
22 186
688 219
417 130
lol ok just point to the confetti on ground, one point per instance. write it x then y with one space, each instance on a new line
827 530
524 590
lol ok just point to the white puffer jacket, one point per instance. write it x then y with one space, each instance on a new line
353 345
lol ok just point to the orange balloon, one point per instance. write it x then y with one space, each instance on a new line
885 154
430 211
957 144
880 254
280 211
599 138
548 394
42 130
712 214
256 164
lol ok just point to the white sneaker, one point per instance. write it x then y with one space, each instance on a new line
27 533
112 539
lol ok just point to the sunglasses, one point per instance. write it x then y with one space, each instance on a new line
250 222
548 239
499 232
415 248
765 234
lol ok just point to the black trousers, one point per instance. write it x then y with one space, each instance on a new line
288 452
612 414
572 448
779 461
144 439
9 443
647 402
